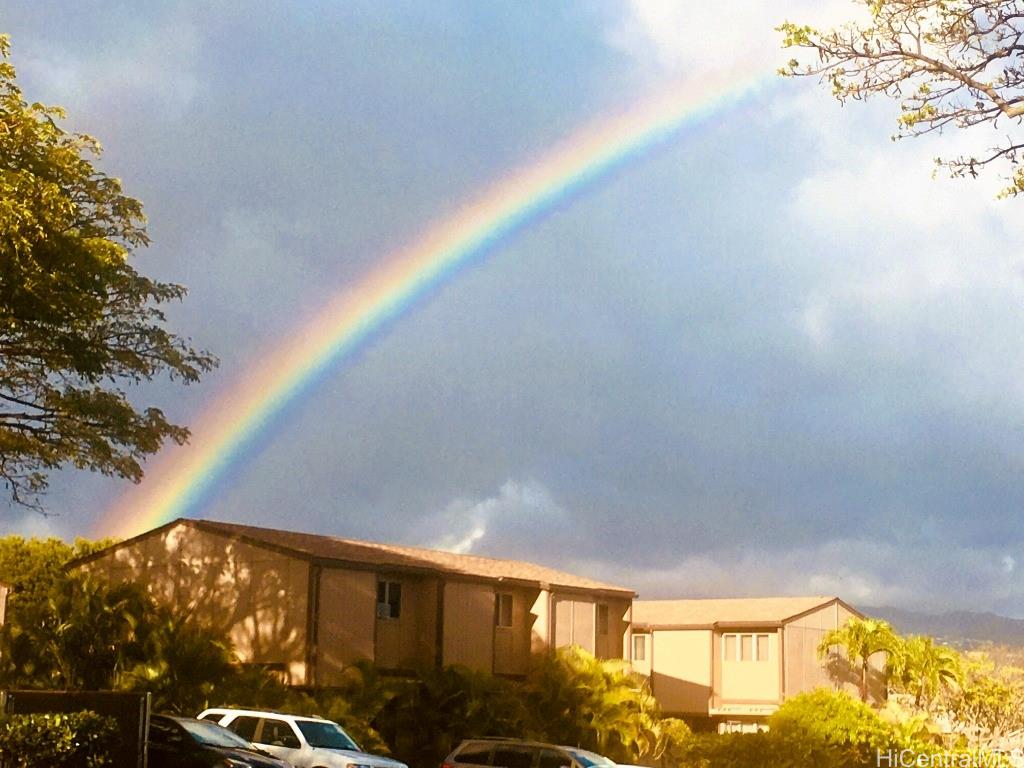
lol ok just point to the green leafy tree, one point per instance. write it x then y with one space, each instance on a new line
597 704
82 638
183 664
859 640
990 702
428 716
31 567
924 669
949 63
77 321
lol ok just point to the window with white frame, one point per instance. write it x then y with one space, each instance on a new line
746 647
389 599
639 647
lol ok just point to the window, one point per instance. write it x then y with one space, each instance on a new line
165 732
602 618
639 647
746 647
549 758
503 611
762 647
389 599
729 647
474 754
278 733
513 757
244 727
320 733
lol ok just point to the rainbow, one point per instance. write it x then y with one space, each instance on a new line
186 477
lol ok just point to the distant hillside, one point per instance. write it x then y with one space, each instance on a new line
961 628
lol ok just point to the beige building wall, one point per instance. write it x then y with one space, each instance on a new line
681 669
750 680
805 671
540 630
613 644
469 625
512 644
408 641
4 592
257 596
348 612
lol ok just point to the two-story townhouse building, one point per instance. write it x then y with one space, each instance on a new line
308 605
730 663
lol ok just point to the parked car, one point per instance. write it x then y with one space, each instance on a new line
591 759
517 753
181 742
305 742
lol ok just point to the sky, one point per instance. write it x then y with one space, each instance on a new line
772 357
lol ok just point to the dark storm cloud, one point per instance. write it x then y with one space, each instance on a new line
754 362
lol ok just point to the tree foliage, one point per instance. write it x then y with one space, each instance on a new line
91 634
821 728
949 63
990 702
859 640
30 567
923 669
597 704
77 322
76 740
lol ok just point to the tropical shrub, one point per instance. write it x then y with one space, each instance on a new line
80 638
833 717
429 716
767 750
577 699
184 663
824 728
77 740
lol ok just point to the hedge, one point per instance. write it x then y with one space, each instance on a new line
75 740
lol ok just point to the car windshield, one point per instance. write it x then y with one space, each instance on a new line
320 733
213 735
588 759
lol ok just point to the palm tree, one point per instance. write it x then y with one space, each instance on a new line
922 668
859 640
184 662
599 704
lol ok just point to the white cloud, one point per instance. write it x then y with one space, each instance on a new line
685 36
465 523
156 64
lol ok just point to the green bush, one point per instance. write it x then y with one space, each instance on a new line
822 728
76 740
835 718
768 750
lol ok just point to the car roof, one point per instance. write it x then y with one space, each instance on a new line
177 718
509 740
262 713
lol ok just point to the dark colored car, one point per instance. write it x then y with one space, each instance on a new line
182 742
515 753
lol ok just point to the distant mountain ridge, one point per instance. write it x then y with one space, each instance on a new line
961 628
